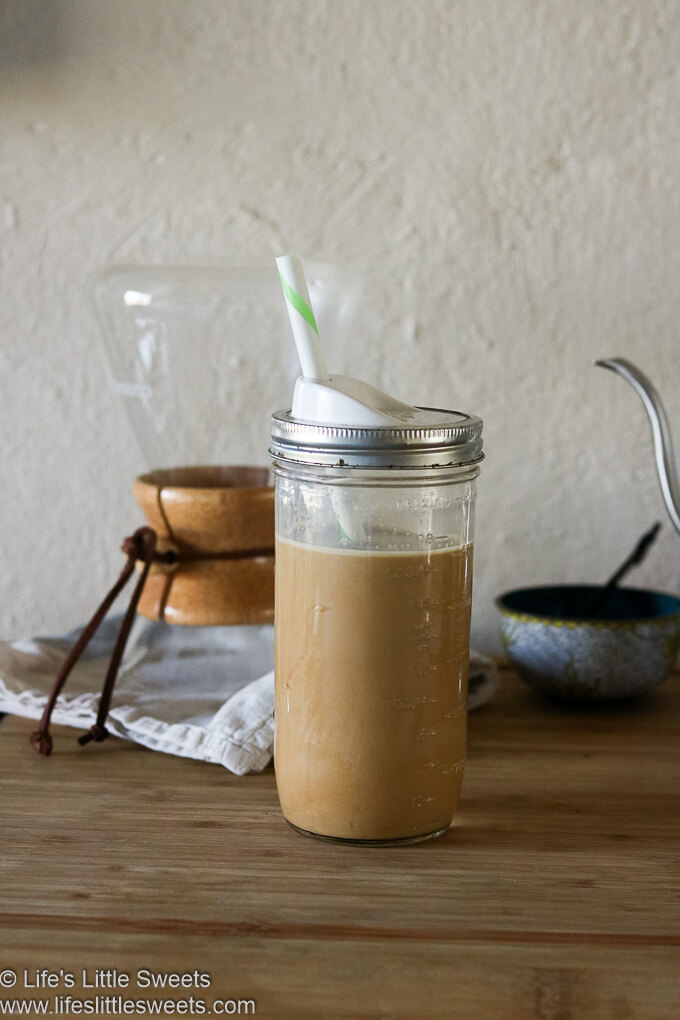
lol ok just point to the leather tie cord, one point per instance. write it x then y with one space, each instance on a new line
140 546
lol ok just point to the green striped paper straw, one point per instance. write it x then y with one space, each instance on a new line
301 315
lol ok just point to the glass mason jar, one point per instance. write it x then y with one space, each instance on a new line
374 530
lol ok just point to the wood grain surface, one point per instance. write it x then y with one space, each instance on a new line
556 894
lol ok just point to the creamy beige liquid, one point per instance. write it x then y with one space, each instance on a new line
372 655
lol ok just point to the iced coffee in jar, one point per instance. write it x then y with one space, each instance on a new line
374 530
374 521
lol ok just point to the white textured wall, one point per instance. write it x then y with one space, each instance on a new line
504 173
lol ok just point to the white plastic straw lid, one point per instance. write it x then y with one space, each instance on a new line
303 323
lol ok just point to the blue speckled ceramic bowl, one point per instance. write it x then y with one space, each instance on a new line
629 649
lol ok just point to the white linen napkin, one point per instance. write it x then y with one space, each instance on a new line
198 692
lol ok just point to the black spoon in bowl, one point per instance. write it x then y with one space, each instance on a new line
637 556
